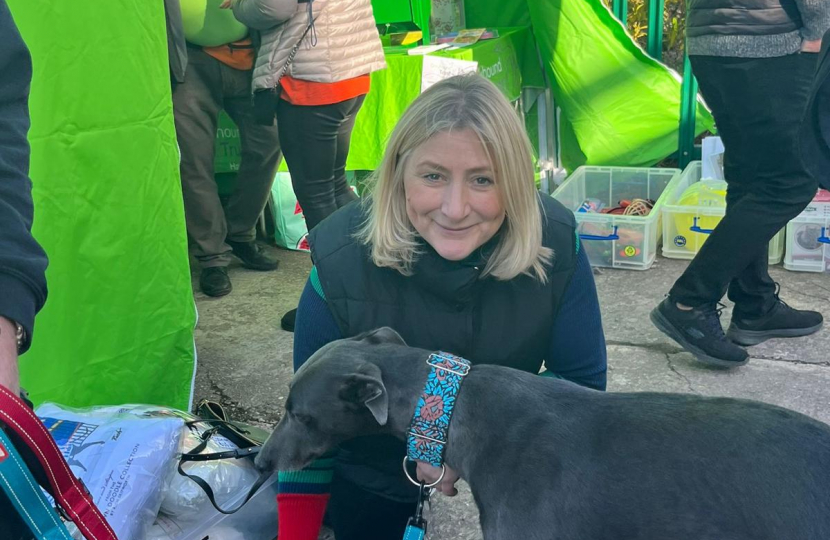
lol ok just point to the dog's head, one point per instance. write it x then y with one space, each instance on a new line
338 394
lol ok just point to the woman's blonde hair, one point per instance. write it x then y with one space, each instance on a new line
463 102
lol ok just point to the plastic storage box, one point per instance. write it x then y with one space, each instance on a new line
808 237
613 240
686 226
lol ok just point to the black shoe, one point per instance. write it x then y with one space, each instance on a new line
698 331
253 256
782 321
214 281
288 320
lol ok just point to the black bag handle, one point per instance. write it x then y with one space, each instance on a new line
263 476
239 434
196 453
243 435
211 409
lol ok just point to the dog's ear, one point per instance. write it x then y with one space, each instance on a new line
380 336
367 389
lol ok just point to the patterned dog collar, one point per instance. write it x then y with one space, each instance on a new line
429 430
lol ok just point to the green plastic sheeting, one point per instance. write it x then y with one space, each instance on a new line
619 106
118 324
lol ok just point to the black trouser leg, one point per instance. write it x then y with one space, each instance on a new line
759 106
209 87
315 141
196 105
753 290
817 146
260 158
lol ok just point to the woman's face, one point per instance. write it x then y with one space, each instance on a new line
451 194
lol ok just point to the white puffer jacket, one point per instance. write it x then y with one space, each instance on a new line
347 42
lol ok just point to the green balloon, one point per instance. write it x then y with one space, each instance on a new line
207 25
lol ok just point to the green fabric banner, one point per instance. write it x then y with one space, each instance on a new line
506 61
228 150
393 89
489 13
510 62
118 324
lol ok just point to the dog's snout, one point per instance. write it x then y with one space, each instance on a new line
262 463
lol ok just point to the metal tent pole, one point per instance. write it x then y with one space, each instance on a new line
688 111
620 10
655 28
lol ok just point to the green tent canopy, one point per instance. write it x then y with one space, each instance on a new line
118 324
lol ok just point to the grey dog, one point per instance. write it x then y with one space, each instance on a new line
547 459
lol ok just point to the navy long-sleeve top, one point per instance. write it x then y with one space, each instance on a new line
22 260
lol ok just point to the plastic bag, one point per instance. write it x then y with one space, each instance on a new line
228 478
290 227
712 152
125 456
257 520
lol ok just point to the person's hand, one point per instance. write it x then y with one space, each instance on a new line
813 46
9 375
429 474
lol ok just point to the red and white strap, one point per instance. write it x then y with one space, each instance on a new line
69 492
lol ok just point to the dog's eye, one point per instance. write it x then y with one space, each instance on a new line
304 419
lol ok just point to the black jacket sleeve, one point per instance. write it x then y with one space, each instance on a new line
22 260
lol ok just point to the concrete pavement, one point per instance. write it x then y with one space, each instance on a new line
245 358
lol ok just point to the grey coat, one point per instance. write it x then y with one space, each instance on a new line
742 17
319 41
753 28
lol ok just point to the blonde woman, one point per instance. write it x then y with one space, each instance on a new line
457 251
